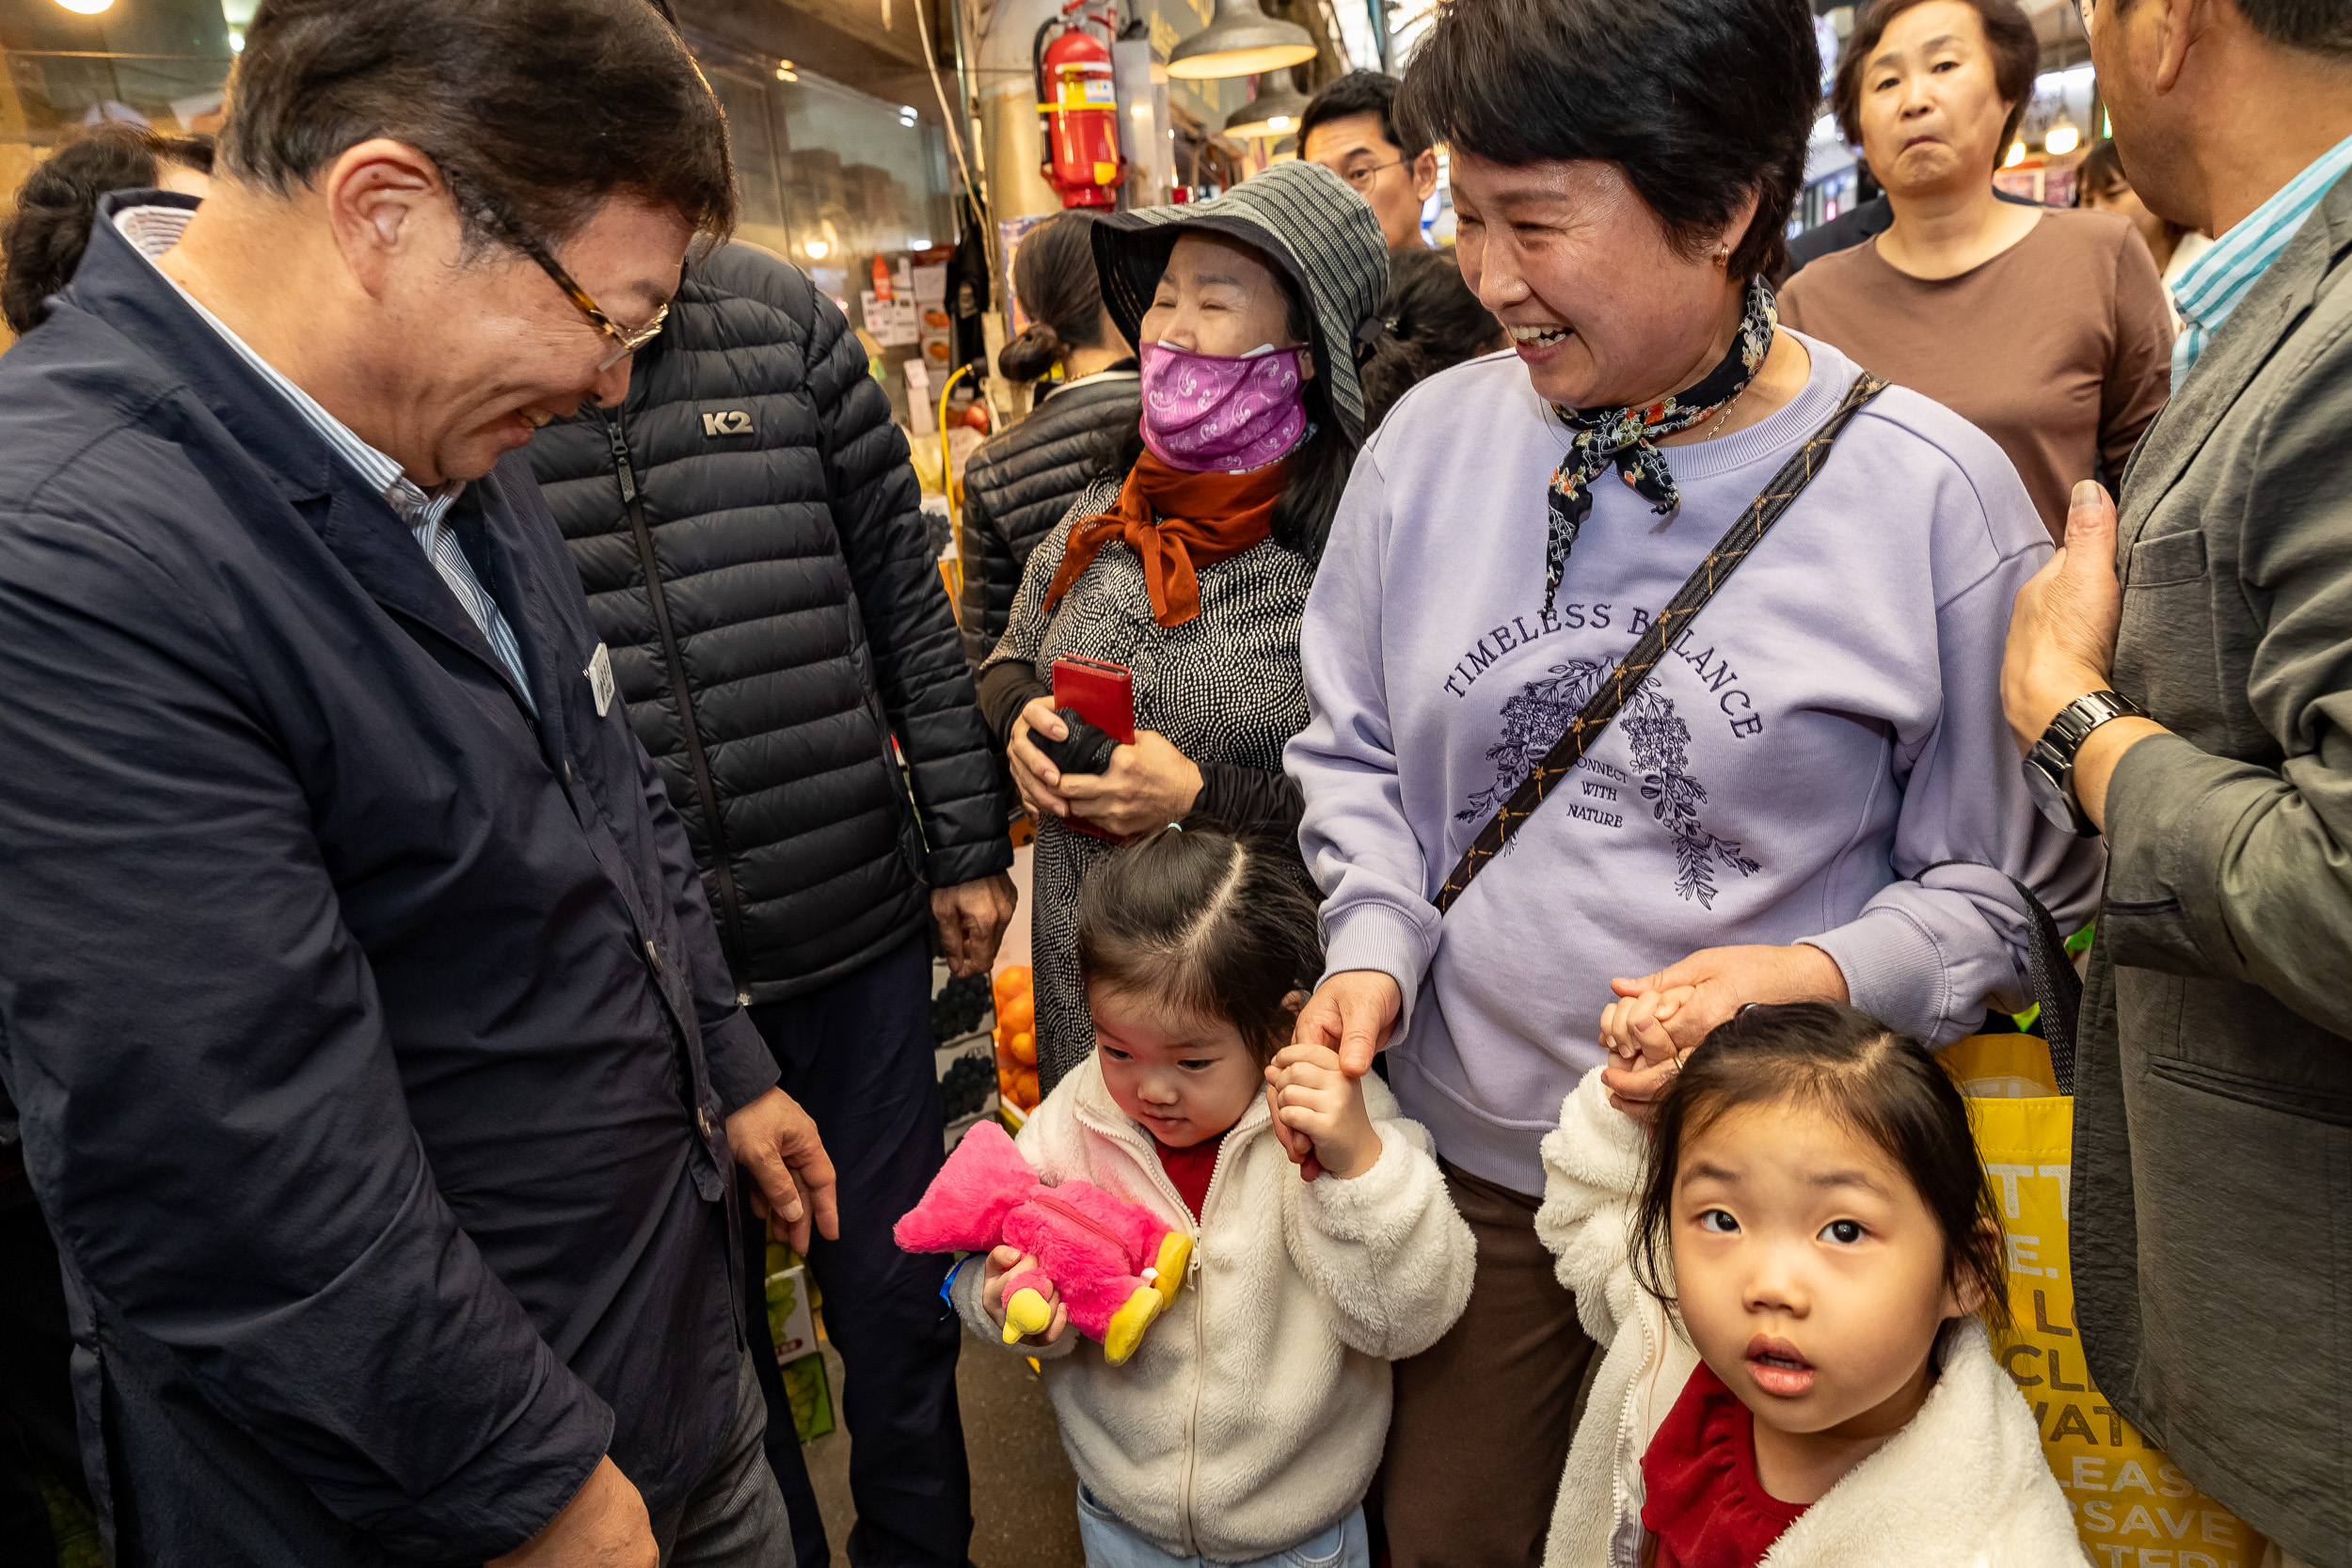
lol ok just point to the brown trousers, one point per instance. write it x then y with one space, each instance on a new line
1483 1418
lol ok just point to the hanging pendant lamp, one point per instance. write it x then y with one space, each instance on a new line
1240 40
1275 112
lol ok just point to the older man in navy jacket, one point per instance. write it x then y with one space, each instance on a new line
379 1072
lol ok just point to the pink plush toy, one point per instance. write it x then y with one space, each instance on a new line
1117 1267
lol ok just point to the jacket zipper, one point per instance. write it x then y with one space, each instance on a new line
1197 1278
1625 1543
730 910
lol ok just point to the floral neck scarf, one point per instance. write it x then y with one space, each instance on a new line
1627 437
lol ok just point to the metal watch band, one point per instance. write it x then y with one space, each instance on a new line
2078 719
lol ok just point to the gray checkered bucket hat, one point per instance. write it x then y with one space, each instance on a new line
1307 221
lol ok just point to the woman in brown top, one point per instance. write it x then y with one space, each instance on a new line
2045 329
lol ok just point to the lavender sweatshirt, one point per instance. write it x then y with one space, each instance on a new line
1829 726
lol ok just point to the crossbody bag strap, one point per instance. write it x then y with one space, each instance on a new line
1624 681
2057 990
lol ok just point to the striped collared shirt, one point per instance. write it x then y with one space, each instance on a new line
2216 282
152 230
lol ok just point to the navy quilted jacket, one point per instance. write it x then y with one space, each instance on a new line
370 1033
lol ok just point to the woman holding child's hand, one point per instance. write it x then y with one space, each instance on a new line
1258 1368
1314 1098
1777 807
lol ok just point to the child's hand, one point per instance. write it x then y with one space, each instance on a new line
1634 1027
1644 1059
1309 1093
1005 1260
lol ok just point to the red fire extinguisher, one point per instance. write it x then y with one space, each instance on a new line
1079 105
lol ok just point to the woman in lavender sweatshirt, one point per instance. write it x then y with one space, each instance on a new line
1759 822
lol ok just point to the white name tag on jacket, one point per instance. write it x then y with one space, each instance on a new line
600 673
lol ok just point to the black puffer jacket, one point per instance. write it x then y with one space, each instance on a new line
798 620
1021 484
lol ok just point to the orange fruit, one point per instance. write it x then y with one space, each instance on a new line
1025 1091
1018 1016
1024 1049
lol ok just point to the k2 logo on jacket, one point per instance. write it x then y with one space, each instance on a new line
731 421
1537 715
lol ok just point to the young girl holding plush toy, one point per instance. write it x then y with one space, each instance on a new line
1785 1274
1245 1424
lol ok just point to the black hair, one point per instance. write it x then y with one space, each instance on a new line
1302 518
2007 33
542 108
1362 92
1885 1086
2316 26
1053 275
1700 103
2101 171
44 237
1433 323
1208 924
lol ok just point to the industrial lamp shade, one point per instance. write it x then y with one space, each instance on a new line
1270 114
1240 40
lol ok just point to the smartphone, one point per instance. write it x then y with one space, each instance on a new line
1103 694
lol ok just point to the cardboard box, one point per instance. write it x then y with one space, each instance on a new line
791 1324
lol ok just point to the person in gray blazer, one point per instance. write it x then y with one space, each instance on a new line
2181 680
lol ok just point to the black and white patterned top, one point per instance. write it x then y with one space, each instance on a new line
1225 686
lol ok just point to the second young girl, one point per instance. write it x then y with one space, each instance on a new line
1787 1275
1247 1427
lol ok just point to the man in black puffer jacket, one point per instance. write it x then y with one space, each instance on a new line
746 525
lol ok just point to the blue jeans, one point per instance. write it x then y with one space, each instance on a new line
1110 1544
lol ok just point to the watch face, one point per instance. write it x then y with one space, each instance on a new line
2049 794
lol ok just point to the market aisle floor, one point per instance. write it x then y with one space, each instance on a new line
1025 1500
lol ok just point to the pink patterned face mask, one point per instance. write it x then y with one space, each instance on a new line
1210 413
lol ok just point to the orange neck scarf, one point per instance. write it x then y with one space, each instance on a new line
1176 522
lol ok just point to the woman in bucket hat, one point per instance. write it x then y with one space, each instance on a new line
1189 563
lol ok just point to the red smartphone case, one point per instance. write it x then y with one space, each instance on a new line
1103 694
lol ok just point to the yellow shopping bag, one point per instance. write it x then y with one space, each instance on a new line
2132 1507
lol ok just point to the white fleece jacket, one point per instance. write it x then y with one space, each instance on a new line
1253 1415
1963 1485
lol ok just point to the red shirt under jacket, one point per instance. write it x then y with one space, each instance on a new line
1702 1499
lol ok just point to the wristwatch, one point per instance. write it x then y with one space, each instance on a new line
2050 765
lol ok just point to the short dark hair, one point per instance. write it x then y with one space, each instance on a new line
1055 276
1433 323
543 107
1701 102
42 242
2317 27
2101 171
1362 92
2007 32
1207 923
1885 1086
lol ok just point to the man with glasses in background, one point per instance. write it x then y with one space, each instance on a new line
1350 128
378 1066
